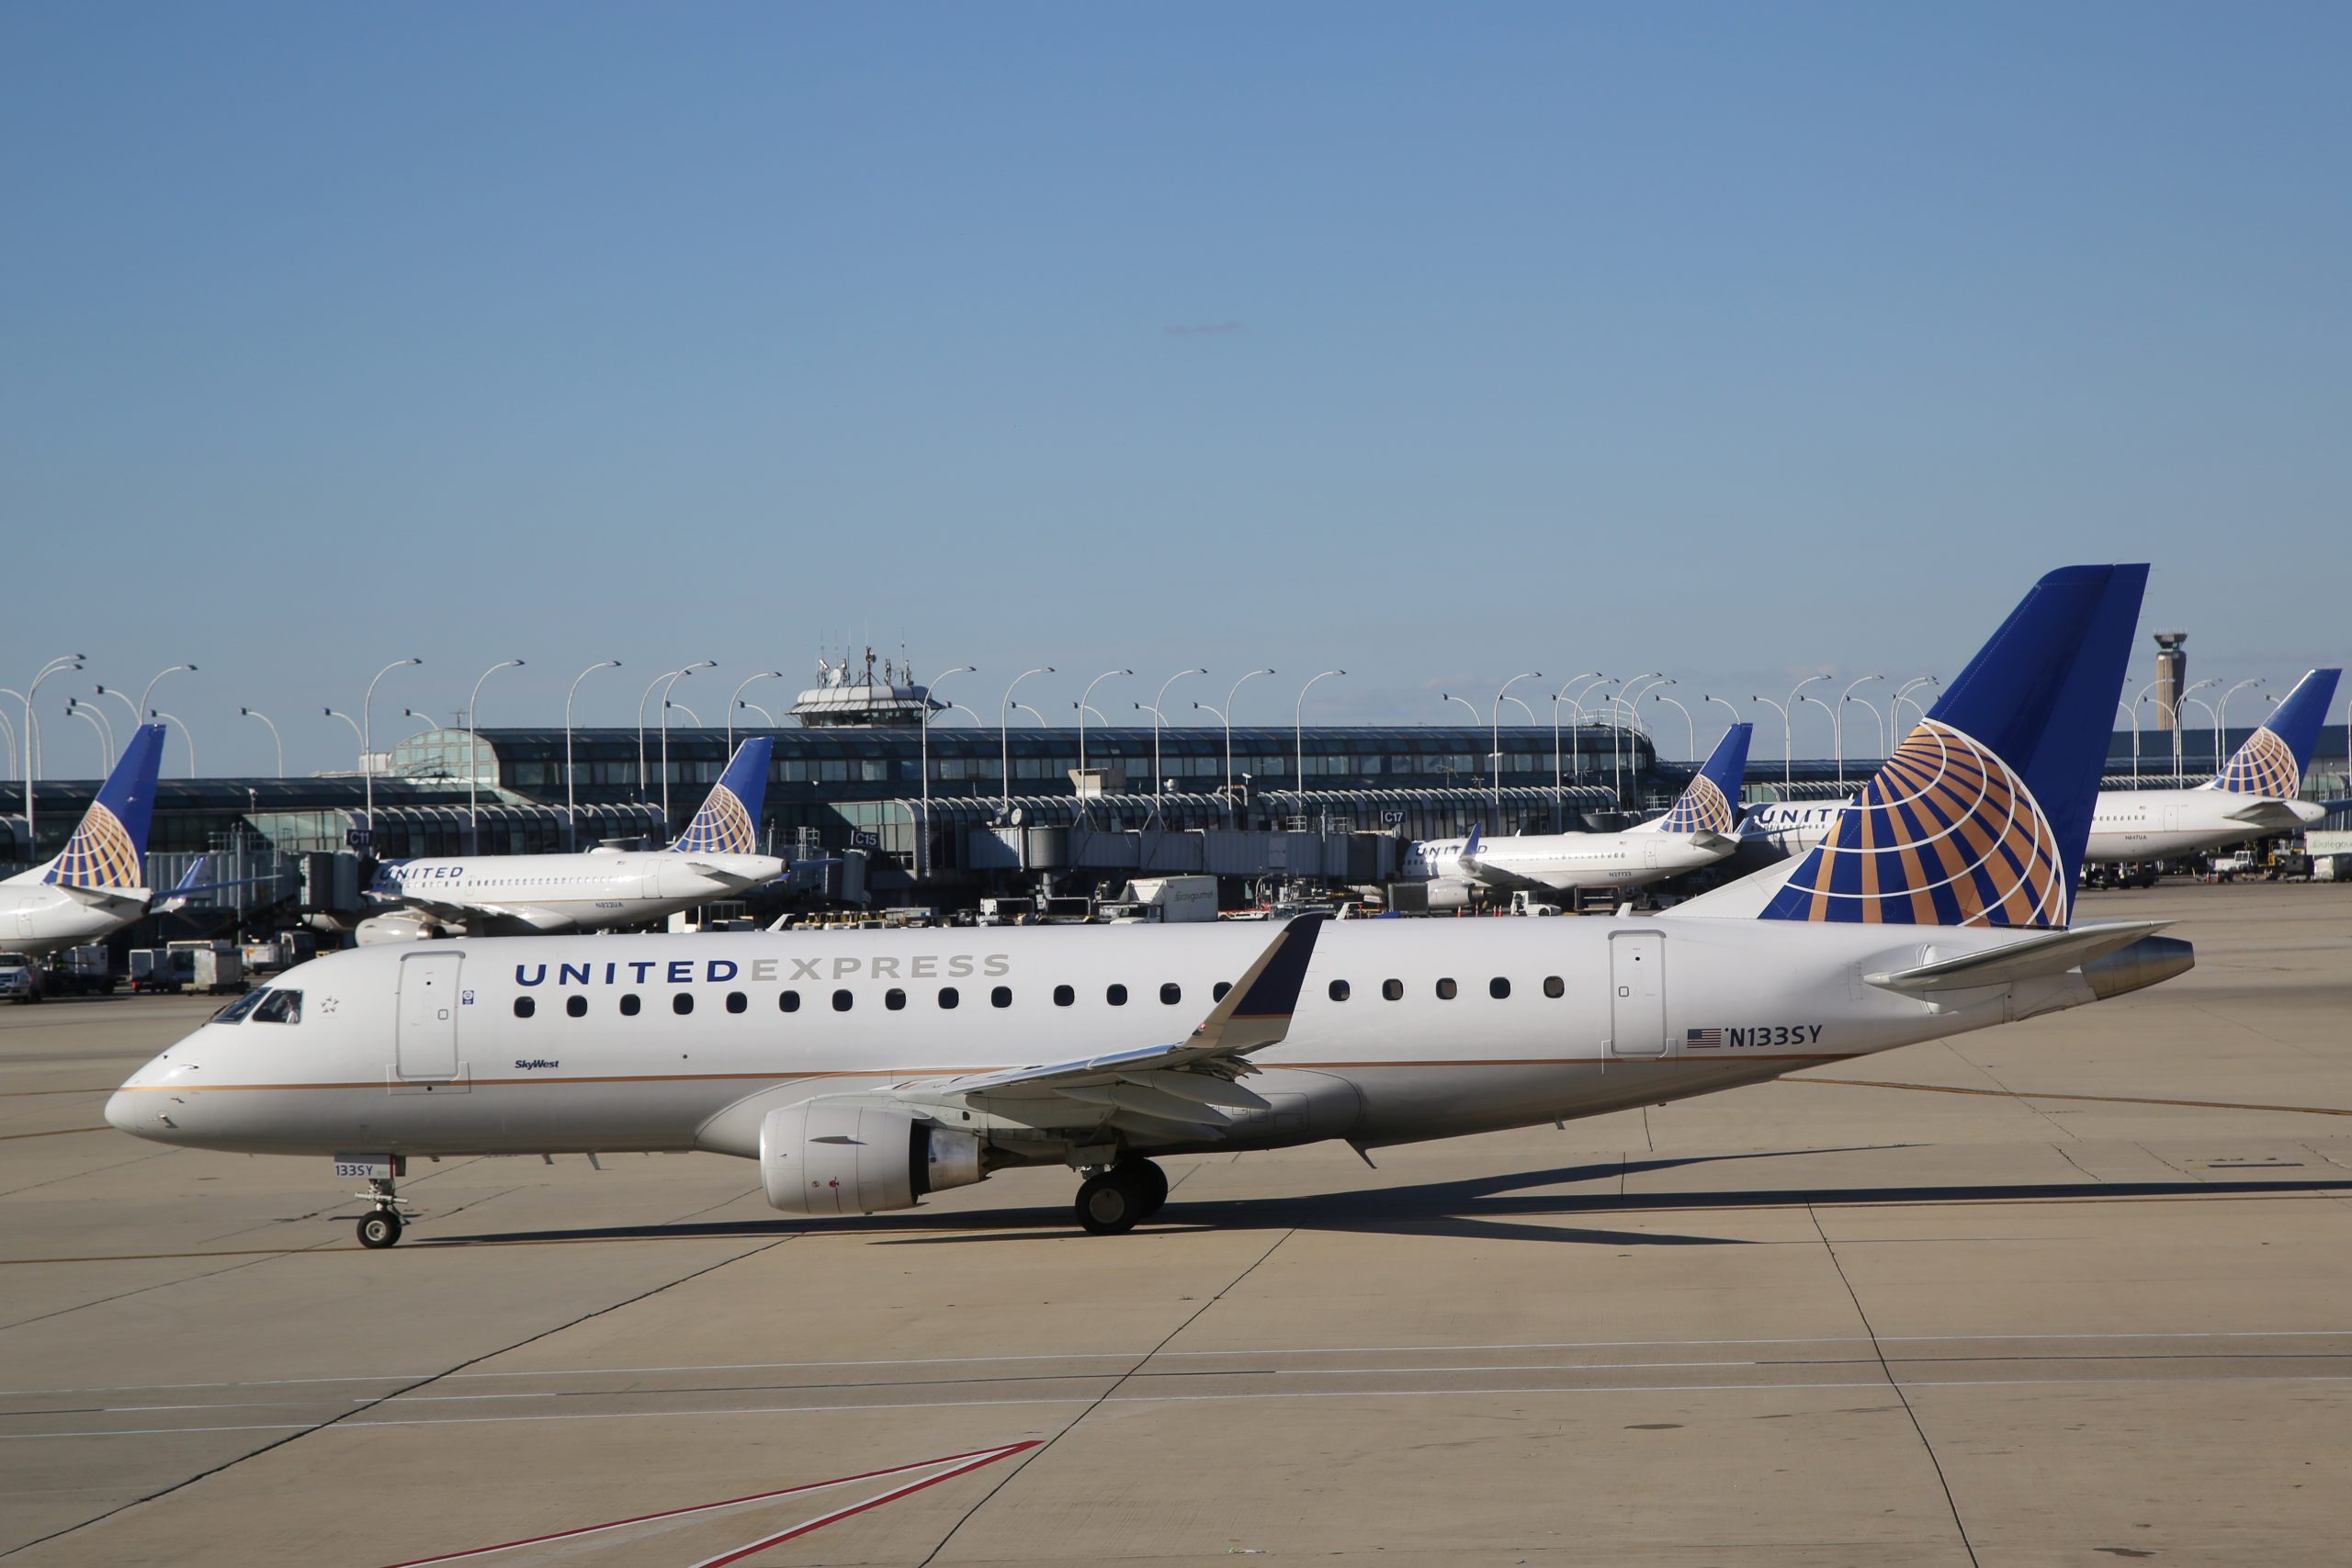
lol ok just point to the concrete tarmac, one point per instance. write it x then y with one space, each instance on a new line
2078 1291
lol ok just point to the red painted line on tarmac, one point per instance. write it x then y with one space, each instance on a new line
963 1464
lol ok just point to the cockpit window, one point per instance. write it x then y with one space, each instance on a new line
241 1009
279 1007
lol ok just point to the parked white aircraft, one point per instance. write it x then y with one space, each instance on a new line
99 884
1699 831
2253 797
864 1070
716 857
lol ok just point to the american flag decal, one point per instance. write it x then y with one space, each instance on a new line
1704 1039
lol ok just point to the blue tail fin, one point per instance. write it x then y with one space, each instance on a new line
1981 816
729 822
110 848
2272 760
1706 805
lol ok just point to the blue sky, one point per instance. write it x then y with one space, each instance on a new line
1435 342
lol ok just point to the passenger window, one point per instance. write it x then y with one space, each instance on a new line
525 1007
788 1002
1001 997
895 1000
683 1003
1115 995
1064 996
1216 992
280 1006
1498 987
1393 990
576 1005
1554 986
1172 993
736 1001
1339 990
842 1000
947 997
1446 989
629 1004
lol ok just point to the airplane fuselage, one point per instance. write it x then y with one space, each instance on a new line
38 917
1563 863
2128 826
1404 1030
562 893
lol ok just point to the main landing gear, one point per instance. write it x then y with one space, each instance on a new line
380 1225
1115 1201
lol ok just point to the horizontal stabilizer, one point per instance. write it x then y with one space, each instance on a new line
2049 953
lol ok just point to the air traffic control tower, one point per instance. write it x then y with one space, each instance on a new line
2172 677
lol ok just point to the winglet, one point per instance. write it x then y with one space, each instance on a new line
1257 1012
1470 844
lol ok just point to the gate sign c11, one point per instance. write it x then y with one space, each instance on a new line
360 838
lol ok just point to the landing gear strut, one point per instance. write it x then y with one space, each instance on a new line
1115 1201
380 1225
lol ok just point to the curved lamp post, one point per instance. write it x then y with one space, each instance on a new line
570 828
256 712
1299 732
736 702
473 753
1688 723
368 739
2222 719
1085 697
1004 732
673 679
1158 780
32 739
73 708
1838 728
1224 716
923 839
186 734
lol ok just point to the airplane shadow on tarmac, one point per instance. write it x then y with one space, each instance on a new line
1504 1206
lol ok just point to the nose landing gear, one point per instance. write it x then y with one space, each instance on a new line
380 1226
1115 1201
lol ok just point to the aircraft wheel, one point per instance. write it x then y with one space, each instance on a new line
1150 1184
1110 1203
378 1228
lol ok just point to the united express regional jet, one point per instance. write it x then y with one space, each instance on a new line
1698 832
864 1070
716 857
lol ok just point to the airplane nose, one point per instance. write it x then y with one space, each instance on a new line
121 1115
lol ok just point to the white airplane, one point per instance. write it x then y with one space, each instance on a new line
716 857
2253 797
1699 831
864 1070
97 885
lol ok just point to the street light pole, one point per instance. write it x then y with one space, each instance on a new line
2177 763
1004 732
737 701
1788 742
366 740
1298 732
32 739
673 679
1837 725
1687 722
1228 728
473 754
1495 738
1084 697
1903 692
186 734
256 712
148 696
570 824
2133 713
1159 781
1705 697
74 707
2222 719
922 845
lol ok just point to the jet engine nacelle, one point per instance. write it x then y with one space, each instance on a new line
376 929
841 1157
1433 897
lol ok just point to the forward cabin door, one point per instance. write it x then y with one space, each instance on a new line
1637 994
427 1023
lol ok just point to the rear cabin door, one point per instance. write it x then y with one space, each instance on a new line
1637 994
428 1015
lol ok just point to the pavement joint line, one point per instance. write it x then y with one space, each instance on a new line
52 1132
2097 1098
302 1429
1260 1351
344 1425
1072 1424
1862 1312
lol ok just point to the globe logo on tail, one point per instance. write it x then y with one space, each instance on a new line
721 827
2264 765
1701 809
99 854
1945 834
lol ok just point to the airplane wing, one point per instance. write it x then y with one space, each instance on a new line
1175 1087
113 900
1492 875
2043 952
2276 814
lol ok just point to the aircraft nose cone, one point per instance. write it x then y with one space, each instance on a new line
121 1114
